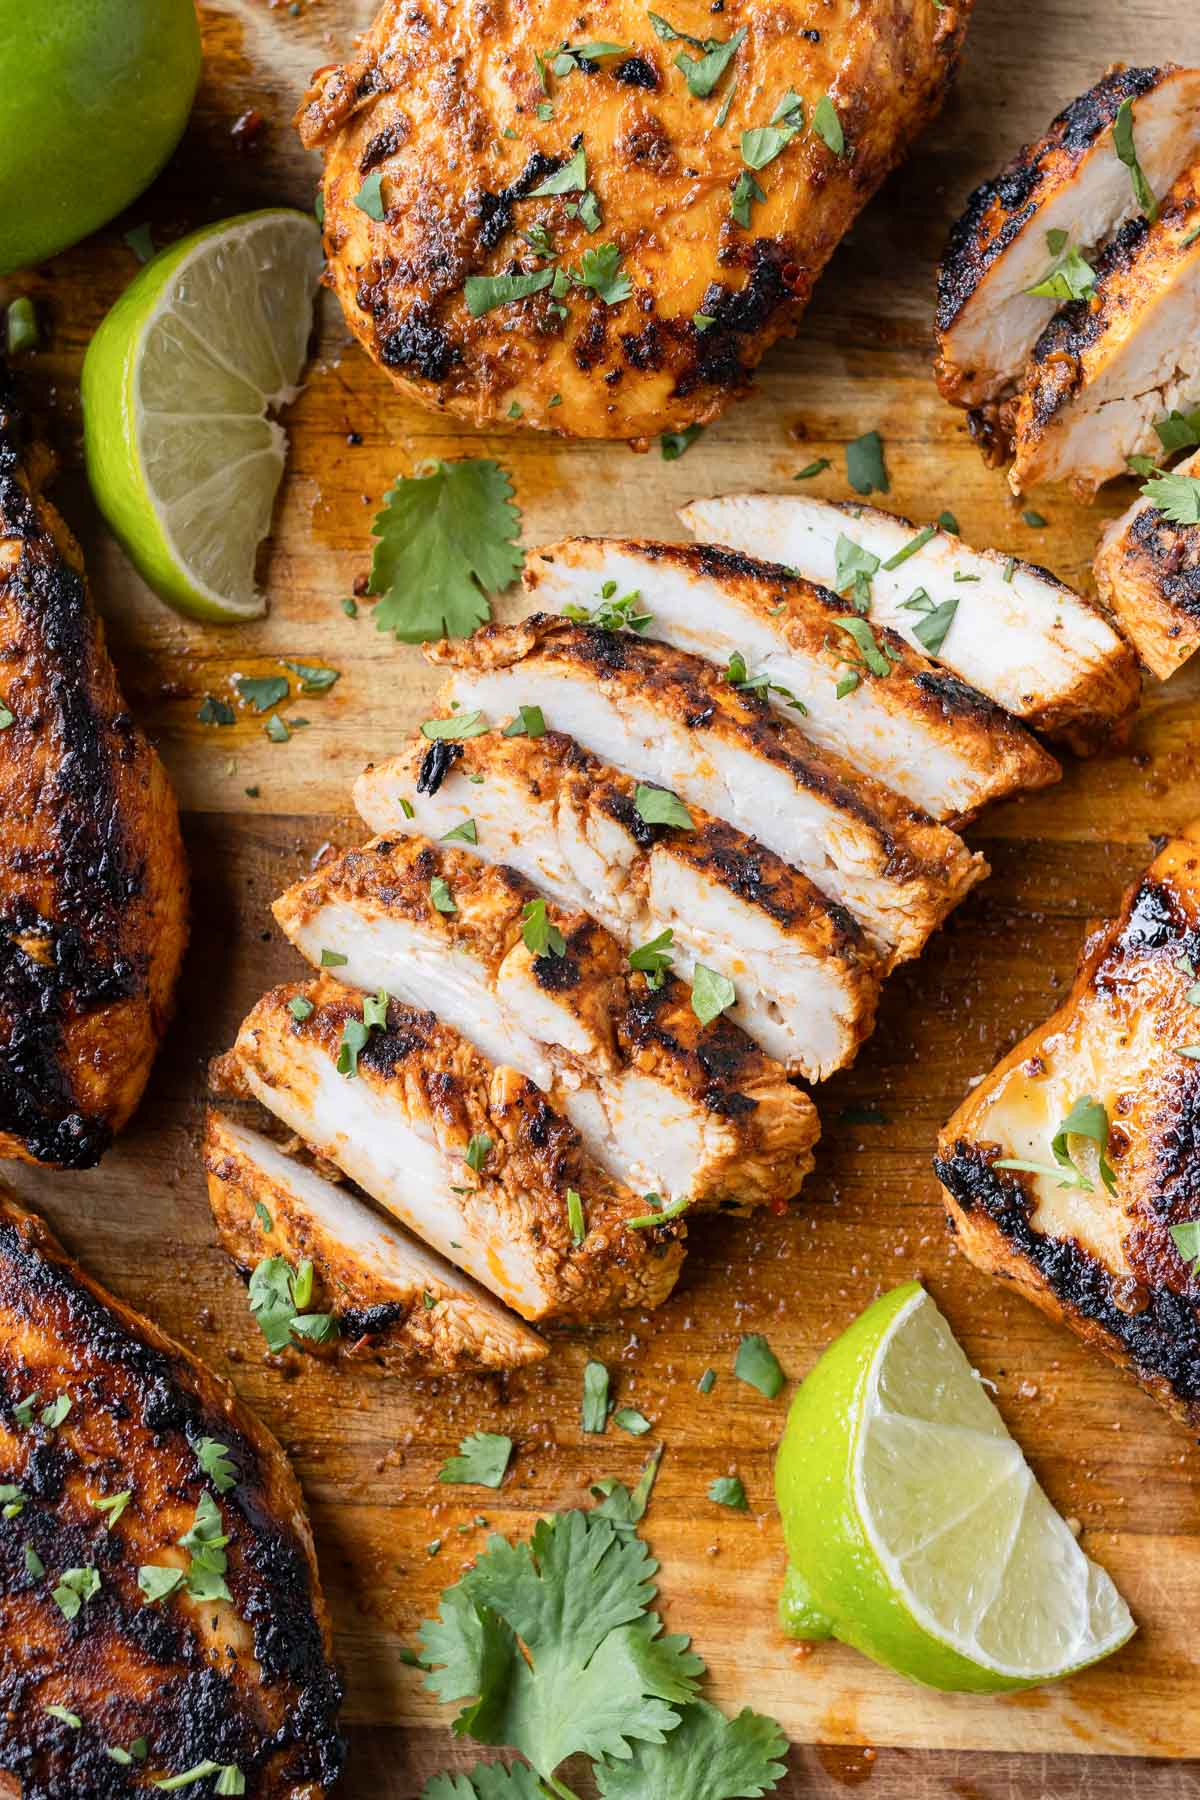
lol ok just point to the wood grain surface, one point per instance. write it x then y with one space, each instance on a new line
368 1448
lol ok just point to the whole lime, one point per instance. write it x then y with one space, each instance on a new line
94 96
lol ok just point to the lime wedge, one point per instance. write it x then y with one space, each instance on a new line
915 1529
178 386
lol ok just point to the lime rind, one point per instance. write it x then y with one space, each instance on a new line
915 1527
178 385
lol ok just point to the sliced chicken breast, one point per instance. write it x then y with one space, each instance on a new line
1104 370
670 719
1148 572
693 1112
1070 182
1017 634
917 729
469 1156
397 1306
805 980
1103 1261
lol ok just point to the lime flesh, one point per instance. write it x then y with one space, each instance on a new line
915 1529
94 96
178 383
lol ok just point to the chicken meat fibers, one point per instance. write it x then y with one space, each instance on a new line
598 224
93 882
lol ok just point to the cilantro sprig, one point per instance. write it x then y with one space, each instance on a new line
446 539
555 1651
279 1296
1087 1119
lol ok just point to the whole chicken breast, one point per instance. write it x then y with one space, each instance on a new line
806 982
1102 1261
1070 186
1147 570
1106 368
920 731
117 1443
469 1156
665 1104
397 1306
671 720
1037 648
93 881
534 206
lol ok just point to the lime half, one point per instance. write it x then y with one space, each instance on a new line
178 386
915 1529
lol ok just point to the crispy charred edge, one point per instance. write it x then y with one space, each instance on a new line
273 1584
97 874
1160 1344
998 209
934 691
527 1125
1168 557
912 844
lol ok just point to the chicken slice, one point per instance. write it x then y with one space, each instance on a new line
1148 574
410 1121
918 730
693 1112
1070 182
1035 647
1105 370
1105 1263
93 881
117 1442
671 719
397 1306
518 229
806 982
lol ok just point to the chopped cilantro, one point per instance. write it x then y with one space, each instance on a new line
595 1397
481 1461
458 725
1086 1119
369 198
529 722
873 657
540 936
813 468
758 1366
628 1418
261 691
727 1490
712 993
478 1151
64 1717
948 522
828 126
611 614
571 178
35 1568
56 1412
275 1300
1035 520
707 1381
300 1008
12 1500
931 628
74 1589
466 833
658 806
1123 144
600 271
112 1506
446 540
484 293
214 1457
1071 278
672 444
853 570
314 679
910 549
653 959
576 1221
440 895
660 1215
157 1581
1186 1239
703 73
746 193
865 467
215 712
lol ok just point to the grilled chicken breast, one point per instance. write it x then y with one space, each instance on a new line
1018 635
805 980
918 730
1070 182
693 1112
397 1306
110 1436
1103 1262
672 719
1148 572
510 220
93 883
1104 370
410 1123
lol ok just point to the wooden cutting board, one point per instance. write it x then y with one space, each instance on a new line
368 1448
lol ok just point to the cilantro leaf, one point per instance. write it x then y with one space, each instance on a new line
215 1459
617 1504
369 198
1123 144
529 722
1072 278
865 467
570 179
481 1461
853 570
1186 1239
746 192
595 1397
74 1589
672 444
483 293
487 1781
445 541
757 1365
1177 497
1178 431
703 73
541 938
261 692
600 270
712 993
727 1490
931 628
653 959
1086 1119
828 126
873 657
215 712
658 806
551 1644
706 1757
